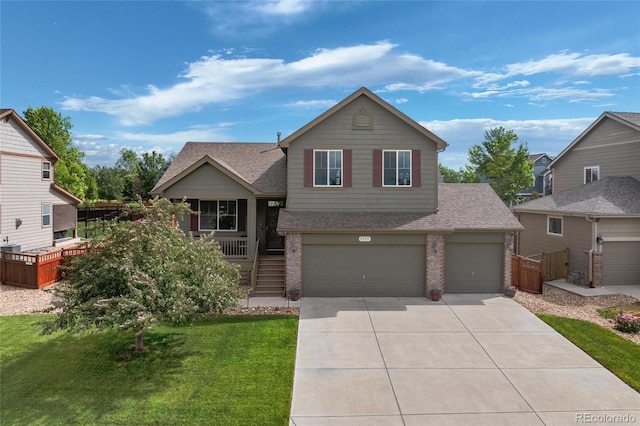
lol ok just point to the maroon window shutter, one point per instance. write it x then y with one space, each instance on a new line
308 167
377 167
346 168
193 205
415 168
242 215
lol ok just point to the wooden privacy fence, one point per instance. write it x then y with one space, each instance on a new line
528 273
555 265
35 270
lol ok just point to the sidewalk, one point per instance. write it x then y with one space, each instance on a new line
268 302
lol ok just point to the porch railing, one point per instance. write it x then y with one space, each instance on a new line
233 247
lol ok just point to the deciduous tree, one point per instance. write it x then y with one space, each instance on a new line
70 172
505 165
142 273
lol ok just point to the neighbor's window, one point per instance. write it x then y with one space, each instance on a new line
591 173
396 168
220 215
554 225
46 214
327 167
46 170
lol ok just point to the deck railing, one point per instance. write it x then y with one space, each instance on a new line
254 269
233 247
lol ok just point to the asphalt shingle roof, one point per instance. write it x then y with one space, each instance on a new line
631 117
607 196
262 165
470 207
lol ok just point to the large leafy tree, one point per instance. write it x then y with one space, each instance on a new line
110 181
503 162
142 273
70 171
463 175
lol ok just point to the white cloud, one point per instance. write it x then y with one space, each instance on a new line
98 152
282 7
214 79
220 78
313 104
550 136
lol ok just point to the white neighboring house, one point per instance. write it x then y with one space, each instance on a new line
33 210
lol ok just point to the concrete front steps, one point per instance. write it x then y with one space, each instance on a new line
270 277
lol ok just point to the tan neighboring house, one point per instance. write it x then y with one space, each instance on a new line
352 204
595 206
33 210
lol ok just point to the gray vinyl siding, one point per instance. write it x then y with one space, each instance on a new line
389 132
576 234
22 189
612 146
620 229
207 182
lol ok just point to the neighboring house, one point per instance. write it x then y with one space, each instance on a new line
34 212
595 206
542 180
352 200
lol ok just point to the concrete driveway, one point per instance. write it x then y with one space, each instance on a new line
467 359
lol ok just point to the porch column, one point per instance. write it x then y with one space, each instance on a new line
293 261
251 228
435 259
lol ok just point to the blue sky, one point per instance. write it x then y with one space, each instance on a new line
153 75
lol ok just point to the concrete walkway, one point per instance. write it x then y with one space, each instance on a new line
627 290
468 359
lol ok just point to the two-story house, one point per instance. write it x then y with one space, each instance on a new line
353 203
595 206
542 179
34 211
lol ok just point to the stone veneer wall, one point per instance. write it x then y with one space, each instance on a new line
596 278
508 251
434 253
293 261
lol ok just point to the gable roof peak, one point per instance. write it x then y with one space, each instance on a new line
362 91
8 113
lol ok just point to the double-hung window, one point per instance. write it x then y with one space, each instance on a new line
327 167
46 170
554 226
396 167
218 215
46 214
591 173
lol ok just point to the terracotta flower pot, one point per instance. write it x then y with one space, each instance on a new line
435 295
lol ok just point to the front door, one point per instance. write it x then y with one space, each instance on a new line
274 241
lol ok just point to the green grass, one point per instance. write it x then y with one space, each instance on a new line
618 355
613 311
230 370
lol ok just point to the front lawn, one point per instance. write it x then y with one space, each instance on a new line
228 370
620 356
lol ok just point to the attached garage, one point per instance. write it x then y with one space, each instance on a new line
363 265
474 263
620 265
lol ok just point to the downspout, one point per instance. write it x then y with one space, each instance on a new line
594 232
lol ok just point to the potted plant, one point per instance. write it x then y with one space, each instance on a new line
435 293
294 294
510 291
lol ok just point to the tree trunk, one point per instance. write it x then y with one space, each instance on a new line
139 341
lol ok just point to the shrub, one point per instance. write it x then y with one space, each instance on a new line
627 323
